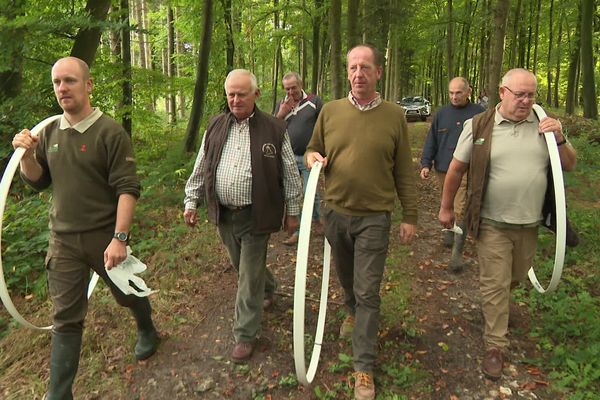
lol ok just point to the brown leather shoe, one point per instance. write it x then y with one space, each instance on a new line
292 240
242 351
268 302
492 363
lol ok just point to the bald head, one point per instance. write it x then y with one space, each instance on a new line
82 65
459 91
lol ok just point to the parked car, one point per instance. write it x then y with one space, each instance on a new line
415 107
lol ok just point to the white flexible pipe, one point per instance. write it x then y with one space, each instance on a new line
560 212
303 376
7 178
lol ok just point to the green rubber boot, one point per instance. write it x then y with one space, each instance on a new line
147 336
64 362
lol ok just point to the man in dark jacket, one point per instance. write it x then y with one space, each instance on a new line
437 153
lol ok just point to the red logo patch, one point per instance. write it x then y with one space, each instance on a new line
83 148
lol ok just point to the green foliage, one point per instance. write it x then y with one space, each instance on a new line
567 322
288 380
24 241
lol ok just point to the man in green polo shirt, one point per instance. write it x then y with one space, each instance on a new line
88 159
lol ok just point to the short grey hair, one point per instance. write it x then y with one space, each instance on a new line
509 75
293 75
238 72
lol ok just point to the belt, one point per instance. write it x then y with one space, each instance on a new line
236 208
506 225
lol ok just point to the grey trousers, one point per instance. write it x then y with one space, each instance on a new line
359 246
248 254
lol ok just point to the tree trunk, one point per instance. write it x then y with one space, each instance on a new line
500 16
450 42
179 50
146 27
336 48
171 71
87 39
590 105
536 36
277 57
228 33
515 35
573 65
140 33
353 34
11 57
191 135
126 59
558 60
316 42
549 58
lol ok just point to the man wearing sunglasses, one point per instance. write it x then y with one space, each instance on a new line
507 159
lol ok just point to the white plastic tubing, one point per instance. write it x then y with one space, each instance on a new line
7 178
302 375
560 212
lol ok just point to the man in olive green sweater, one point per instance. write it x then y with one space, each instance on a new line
87 157
363 144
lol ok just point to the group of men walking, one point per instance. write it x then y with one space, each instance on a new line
248 174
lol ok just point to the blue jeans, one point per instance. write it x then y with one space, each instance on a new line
316 215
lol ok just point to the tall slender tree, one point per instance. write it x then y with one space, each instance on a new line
88 38
191 135
336 48
126 60
575 44
500 17
590 104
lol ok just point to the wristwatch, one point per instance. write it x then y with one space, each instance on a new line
121 236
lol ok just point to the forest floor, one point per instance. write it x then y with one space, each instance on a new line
431 349
435 353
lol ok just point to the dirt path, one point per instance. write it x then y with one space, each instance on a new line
193 361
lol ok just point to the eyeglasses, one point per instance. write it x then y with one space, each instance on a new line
521 95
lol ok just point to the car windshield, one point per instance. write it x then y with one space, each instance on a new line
413 100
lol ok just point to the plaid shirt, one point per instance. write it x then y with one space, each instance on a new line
234 172
369 106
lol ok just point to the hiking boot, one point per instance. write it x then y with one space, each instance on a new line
292 240
364 388
448 239
492 363
347 327
242 352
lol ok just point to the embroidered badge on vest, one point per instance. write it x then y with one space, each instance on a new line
83 148
269 150
53 148
479 140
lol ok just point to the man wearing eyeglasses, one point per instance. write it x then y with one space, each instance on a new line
507 160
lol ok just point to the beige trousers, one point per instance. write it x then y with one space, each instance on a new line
505 256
